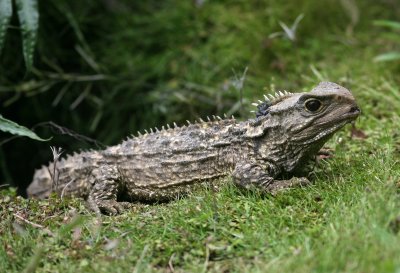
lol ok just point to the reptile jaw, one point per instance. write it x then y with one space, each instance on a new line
353 114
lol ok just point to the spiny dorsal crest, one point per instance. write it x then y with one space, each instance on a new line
175 126
269 100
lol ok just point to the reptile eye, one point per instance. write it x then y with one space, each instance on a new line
313 105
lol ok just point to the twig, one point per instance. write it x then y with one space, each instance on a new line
65 131
72 77
140 260
171 266
34 224
8 139
61 94
81 97
63 190
56 174
207 260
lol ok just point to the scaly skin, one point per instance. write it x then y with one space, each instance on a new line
268 153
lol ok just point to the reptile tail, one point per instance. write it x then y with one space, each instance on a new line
41 184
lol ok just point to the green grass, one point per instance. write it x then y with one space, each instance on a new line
341 223
344 222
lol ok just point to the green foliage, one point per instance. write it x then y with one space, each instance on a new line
387 23
16 129
393 55
29 21
5 16
389 56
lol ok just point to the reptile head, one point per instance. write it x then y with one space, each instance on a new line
41 185
306 118
317 115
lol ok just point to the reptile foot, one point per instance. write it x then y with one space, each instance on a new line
281 185
109 207
112 207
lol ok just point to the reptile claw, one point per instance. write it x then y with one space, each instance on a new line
281 185
112 207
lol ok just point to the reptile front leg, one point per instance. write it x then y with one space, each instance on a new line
251 175
103 196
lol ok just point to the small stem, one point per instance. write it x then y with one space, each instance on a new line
33 224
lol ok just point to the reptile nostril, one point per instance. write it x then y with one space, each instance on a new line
355 109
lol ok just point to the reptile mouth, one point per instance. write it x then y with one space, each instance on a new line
348 117
354 112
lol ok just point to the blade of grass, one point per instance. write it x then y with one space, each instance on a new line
387 57
387 23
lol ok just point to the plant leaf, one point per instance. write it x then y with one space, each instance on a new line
5 16
296 22
289 33
387 23
16 129
389 56
29 19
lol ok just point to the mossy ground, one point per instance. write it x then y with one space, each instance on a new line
347 221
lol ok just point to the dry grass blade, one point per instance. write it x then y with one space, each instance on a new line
46 230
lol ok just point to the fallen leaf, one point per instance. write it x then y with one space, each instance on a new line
357 133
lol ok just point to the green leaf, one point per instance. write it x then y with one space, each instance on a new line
5 16
387 23
386 57
29 19
16 129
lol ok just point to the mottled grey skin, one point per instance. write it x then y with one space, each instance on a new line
267 153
